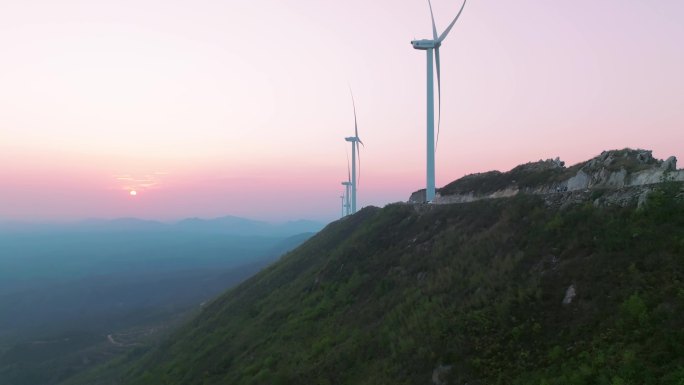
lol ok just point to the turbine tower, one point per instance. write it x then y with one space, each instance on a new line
342 215
346 203
433 46
355 141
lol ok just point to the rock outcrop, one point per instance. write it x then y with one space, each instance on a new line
614 177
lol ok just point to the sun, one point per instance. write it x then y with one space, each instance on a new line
133 193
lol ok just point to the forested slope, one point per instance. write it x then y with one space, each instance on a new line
468 293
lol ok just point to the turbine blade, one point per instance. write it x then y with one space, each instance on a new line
434 27
356 127
348 169
446 31
439 95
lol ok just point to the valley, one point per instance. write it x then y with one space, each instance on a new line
76 298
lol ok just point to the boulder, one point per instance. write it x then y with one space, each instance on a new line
570 294
670 164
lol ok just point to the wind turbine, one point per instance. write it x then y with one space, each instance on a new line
430 46
355 140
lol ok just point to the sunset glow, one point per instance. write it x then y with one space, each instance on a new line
215 108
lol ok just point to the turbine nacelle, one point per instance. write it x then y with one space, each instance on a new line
346 183
352 139
425 44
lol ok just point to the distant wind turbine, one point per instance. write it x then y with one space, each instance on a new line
430 46
355 140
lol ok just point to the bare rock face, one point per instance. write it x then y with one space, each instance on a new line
615 179
580 181
617 169
647 177
625 174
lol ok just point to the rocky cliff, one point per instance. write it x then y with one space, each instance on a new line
614 177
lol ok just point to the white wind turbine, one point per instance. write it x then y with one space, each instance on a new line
355 141
430 46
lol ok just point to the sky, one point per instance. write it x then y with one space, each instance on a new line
240 107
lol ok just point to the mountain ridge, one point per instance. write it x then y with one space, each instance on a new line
627 169
229 224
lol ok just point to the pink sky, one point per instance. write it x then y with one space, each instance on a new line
240 107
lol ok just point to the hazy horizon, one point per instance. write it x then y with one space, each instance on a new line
210 109
164 221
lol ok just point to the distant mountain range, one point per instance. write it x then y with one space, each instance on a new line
222 225
243 226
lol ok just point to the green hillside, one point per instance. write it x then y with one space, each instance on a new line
471 293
